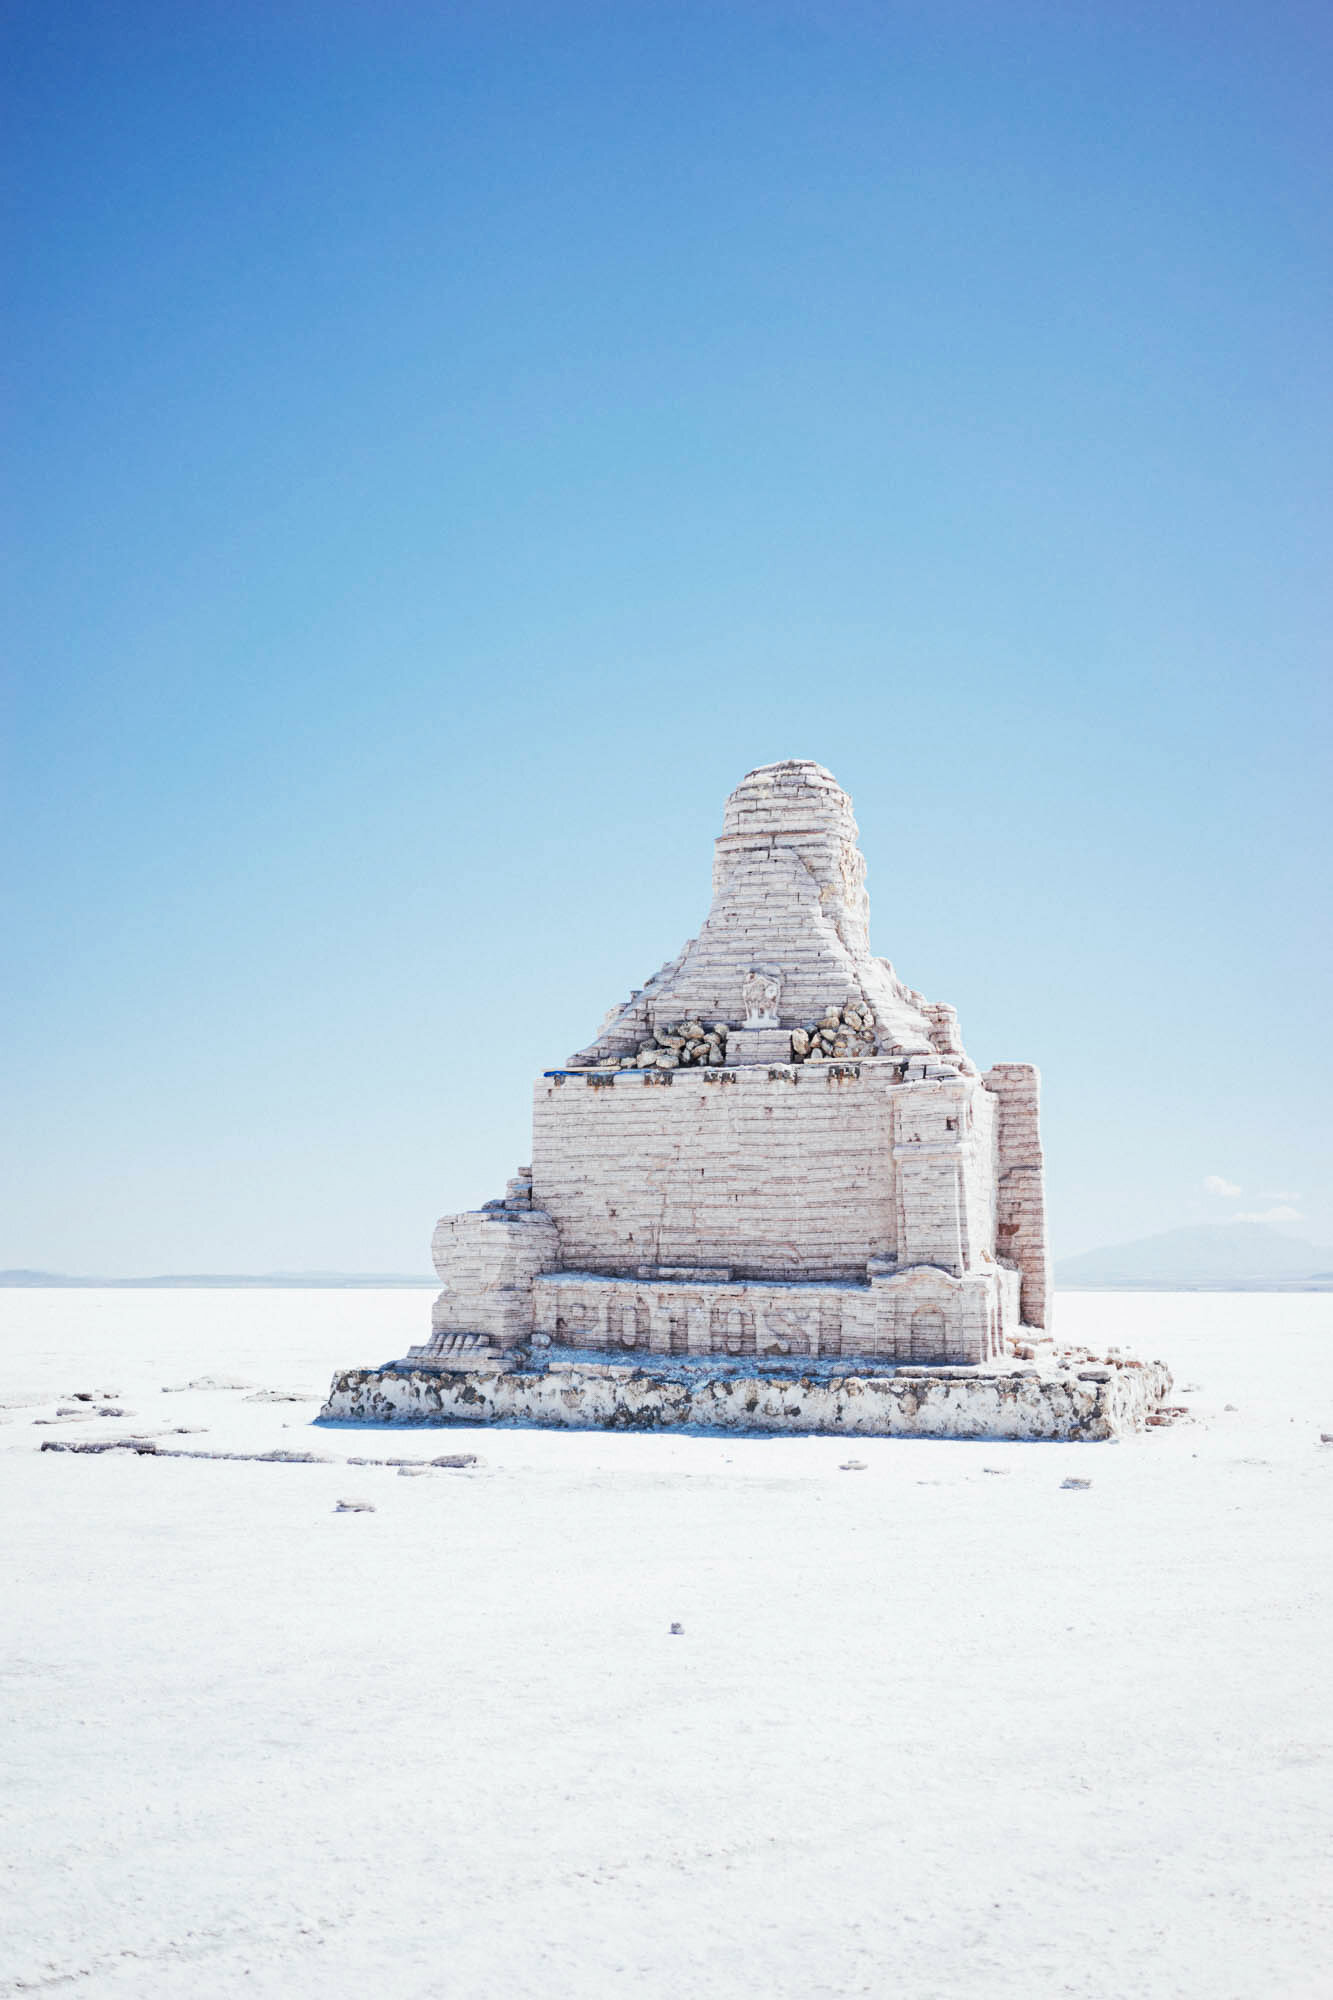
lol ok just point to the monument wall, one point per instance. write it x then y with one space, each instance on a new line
1020 1187
775 1160
769 1173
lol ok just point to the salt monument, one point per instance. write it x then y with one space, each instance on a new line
772 1193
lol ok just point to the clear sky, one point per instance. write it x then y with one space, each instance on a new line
453 443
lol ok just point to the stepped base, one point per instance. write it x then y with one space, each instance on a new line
1000 1401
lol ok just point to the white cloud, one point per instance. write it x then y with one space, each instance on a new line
1215 1184
1282 1214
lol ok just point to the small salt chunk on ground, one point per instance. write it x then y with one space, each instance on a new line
1074 1485
853 1465
205 1382
355 1507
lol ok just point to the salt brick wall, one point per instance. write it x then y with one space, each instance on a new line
1020 1198
774 1179
788 890
488 1265
884 1319
783 1174
703 1319
944 1157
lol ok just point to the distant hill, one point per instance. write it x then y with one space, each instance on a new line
202 1281
1213 1253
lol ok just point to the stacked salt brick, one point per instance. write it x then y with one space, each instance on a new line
786 1177
774 1149
1020 1227
788 890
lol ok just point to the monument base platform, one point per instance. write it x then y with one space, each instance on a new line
583 1393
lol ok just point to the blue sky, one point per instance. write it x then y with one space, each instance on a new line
452 444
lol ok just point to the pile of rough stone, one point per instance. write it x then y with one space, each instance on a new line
684 1045
840 1034
835 1037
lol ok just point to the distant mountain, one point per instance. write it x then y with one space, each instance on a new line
201 1281
1213 1253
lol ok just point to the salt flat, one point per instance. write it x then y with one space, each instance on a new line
932 1728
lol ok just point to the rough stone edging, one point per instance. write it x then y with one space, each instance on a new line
1025 1405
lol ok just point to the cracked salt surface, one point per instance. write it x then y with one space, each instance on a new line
931 1733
